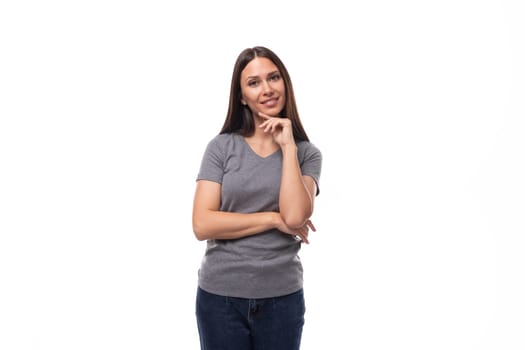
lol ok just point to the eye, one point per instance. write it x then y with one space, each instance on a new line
275 77
253 83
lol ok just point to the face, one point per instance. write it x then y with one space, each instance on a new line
262 87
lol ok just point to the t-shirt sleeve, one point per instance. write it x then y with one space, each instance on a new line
311 159
212 165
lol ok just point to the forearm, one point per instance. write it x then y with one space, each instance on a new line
212 224
295 201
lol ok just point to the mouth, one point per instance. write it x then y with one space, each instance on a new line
271 102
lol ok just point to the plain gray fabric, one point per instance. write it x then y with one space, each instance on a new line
263 265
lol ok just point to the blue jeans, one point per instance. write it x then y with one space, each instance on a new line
227 323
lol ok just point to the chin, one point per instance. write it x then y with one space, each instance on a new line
275 112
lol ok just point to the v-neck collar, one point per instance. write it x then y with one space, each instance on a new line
277 151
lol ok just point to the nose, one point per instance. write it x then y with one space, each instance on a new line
267 89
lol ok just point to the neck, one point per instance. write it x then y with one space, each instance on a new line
259 135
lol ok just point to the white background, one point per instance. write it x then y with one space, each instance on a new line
417 106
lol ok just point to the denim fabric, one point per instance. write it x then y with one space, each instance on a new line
227 323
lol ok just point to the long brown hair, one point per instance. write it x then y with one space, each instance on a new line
239 118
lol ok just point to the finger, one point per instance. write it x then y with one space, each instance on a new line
311 225
303 239
304 233
265 116
273 126
265 123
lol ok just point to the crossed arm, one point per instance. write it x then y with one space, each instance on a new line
296 198
209 222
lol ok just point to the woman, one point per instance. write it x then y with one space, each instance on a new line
254 197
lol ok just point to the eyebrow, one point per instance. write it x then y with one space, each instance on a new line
256 76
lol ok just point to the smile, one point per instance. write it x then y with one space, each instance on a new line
271 102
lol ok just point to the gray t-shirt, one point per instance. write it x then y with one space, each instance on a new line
262 265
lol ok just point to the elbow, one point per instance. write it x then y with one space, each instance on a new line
295 221
199 235
199 231
204 225
296 216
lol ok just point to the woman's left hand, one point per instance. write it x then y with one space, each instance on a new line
281 129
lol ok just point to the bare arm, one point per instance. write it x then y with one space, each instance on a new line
297 193
296 197
211 223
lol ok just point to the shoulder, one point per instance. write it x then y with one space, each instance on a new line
224 139
306 149
224 144
220 141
